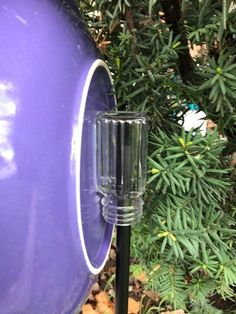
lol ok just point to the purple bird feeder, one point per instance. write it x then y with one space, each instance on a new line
53 239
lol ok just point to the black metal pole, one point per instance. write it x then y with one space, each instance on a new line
121 151
122 268
122 232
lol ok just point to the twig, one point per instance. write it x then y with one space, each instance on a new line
130 23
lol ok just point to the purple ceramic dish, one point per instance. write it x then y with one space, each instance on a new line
53 240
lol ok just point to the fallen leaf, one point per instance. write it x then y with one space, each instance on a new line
197 51
88 309
111 270
152 295
95 287
103 276
102 297
104 309
111 293
142 277
137 285
112 254
104 305
233 160
133 306
174 312
211 125
131 288
91 297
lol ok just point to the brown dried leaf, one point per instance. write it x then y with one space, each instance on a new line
103 276
233 160
88 309
112 254
91 297
104 309
111 293
95 287
152 295
104 305
133 306
111 270
102 297
174 312
141 277
197 51
211 125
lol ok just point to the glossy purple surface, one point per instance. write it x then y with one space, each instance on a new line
45 56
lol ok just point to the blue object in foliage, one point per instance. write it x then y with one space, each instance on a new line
192 106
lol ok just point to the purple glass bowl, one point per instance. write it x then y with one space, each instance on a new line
53 240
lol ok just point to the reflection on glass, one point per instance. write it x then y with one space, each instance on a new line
7 114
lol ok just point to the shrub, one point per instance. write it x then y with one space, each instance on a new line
186 241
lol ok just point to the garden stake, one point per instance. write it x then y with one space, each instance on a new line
121 177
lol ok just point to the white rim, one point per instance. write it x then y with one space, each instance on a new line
97 63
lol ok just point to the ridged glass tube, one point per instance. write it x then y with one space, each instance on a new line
121 165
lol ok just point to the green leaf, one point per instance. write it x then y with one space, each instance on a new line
152 178
155 164
174 156
222 86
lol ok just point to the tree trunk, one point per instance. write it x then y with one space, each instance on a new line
173 17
